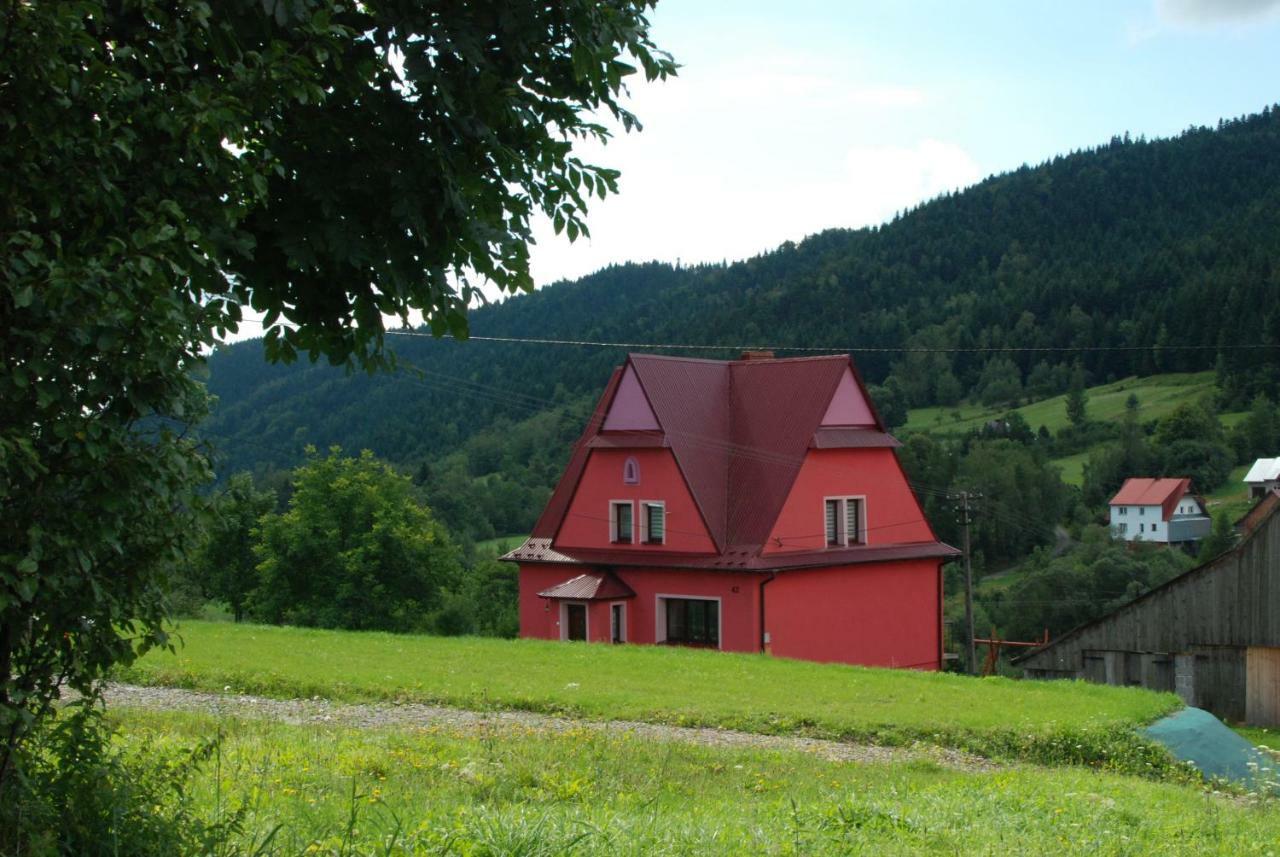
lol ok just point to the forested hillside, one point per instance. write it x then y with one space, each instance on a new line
1164 243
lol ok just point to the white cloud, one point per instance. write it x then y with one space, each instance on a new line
1200 13
886 179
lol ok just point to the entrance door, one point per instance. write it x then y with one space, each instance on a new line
616 632
576 617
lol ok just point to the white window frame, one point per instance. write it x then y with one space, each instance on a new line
564 620
842 520
622 624
644 521
613 522
660 614
1124 510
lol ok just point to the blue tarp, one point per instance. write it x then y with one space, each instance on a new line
1196 736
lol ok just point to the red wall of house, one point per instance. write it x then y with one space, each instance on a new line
738 593
587 521
881 614
891 511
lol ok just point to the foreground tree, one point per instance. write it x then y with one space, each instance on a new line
165 164
356 549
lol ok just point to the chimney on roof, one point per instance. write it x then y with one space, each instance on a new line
756 355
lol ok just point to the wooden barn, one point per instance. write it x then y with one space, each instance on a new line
1211 635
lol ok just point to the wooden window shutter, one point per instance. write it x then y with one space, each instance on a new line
853 521
833 523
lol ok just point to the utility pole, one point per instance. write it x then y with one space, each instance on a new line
965 517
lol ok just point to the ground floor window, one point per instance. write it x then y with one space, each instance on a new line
692 621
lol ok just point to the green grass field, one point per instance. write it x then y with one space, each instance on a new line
1158 395
318 789
1046 721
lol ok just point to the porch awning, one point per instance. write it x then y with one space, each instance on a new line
594 586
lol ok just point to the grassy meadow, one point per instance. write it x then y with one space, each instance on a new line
1043 721
331 790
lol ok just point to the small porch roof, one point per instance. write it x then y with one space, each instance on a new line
592 586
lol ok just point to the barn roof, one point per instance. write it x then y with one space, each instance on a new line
1152 492
1264 470
736 429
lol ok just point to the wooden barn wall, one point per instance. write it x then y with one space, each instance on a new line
1233 601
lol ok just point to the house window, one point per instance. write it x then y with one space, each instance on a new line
845 524
1124 510
692 621
1142 510
1123 528
654 522
631 472
621 515
1142 528
617 623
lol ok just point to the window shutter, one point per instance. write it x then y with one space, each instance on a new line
853 521
657 515
833 519
624 521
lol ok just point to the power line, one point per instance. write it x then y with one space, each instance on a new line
853 349
837 349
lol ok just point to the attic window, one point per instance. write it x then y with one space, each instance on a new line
844 521
631 472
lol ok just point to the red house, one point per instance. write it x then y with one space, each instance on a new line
746 505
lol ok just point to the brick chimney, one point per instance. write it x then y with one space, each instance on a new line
756 355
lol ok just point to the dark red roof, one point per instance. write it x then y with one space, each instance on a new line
597 586
1152 492
540 550
738 428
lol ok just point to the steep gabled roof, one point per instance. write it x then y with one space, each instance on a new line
1164 493
736 429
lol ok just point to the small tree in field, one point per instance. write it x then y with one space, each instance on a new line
356 549
226 566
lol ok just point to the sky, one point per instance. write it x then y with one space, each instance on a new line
790 118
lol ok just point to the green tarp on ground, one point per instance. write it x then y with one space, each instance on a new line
1196 736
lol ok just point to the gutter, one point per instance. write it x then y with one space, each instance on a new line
764 635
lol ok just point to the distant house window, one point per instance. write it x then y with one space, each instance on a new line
1124 510
844 521
1142 528
631 472
1124 528
692 621
1142 510
654 522
621 515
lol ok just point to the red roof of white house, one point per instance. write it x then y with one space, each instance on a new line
1164 493
737 429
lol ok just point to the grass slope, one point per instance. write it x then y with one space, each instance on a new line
338 791
1158 394
1045 721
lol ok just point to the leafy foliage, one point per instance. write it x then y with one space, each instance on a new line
354 550
226 566
1064 591
166 164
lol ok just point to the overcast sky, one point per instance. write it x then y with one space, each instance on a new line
789 118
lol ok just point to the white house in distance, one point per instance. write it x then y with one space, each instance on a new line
1263 477
1159 510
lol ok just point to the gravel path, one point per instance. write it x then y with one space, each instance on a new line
376 715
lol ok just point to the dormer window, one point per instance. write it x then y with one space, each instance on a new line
845 524
631 472
621 517
654 521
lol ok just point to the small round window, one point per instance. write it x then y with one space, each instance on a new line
631 472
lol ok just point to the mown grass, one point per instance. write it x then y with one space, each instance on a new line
1051 722
1269 738
331 790
1157 394
500 545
